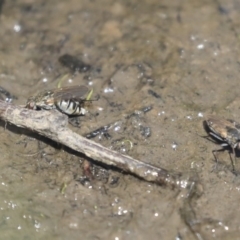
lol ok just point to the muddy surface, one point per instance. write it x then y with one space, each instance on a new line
158 69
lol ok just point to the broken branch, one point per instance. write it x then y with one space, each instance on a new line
54 125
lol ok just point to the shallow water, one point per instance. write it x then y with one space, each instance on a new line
179 58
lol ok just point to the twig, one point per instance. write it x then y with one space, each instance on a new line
53 125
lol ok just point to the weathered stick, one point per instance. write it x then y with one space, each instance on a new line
53 125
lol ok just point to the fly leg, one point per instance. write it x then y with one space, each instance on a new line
233 160
214 152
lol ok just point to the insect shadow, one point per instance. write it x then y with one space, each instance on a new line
225 132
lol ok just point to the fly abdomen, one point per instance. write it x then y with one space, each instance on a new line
68 100
70 107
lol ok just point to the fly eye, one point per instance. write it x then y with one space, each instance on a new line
31 105
210 122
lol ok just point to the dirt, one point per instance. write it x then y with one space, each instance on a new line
157 69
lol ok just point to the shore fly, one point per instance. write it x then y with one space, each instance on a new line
68 100
224 131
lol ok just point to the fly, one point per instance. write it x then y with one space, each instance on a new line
68 100
225 131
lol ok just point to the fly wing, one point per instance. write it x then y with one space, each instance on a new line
226 130
236 124
73 92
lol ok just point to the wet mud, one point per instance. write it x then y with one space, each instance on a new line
157 70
